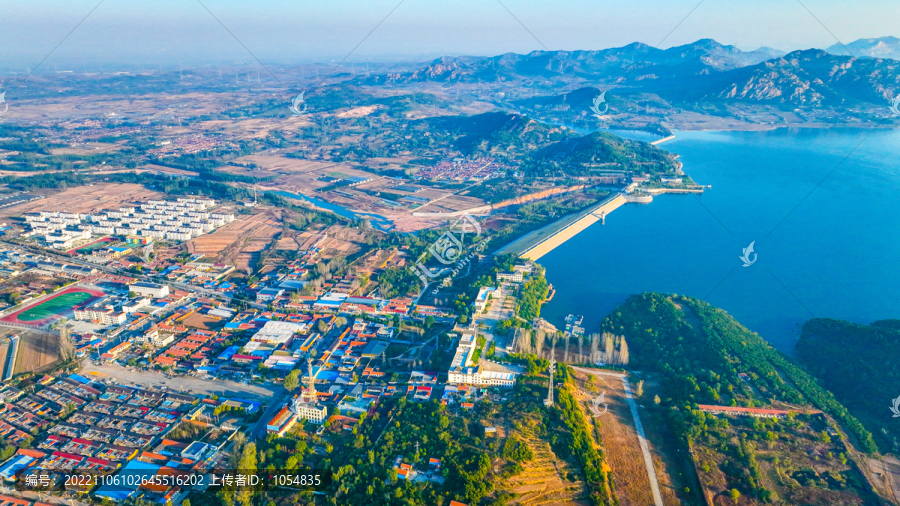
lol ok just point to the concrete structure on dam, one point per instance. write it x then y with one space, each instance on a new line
540 242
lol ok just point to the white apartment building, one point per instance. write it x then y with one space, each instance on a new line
149 289
181 220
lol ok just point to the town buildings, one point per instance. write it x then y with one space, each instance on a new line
150 289
181 220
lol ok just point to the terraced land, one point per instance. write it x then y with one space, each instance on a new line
548 479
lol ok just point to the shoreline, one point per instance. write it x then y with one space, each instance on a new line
538 243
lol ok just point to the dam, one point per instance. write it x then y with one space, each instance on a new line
538 243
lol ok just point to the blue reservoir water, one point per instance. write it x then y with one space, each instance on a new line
377 221
825 248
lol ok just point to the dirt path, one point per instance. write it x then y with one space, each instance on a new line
639 432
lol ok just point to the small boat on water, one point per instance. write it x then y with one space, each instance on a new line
573 325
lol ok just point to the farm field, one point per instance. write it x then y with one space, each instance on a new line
167 170
53 307
547 479
240 241
89 148
37 351
86 199
243 171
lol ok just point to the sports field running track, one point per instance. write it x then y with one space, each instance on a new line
53 307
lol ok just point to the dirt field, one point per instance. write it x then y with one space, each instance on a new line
240 241
89 148
283 165
199 321
167 170
243 171
144 106
36 351
884 473
86 199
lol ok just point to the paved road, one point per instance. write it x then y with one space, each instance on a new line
122 272
277 401
642 438
494 315
189 383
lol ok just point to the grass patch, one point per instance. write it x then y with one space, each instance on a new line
94 246
53 306
478 348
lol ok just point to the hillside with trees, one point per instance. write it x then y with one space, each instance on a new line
858 363
704 356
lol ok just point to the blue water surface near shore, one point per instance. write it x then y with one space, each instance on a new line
835 255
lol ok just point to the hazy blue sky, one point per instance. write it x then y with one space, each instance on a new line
168 31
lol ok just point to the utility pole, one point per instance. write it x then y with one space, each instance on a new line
552 369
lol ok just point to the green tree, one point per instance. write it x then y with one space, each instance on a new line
247 464
7 452
735 495
292 380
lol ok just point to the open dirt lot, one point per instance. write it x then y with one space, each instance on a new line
89 148
166 170
223 388
86 199
244 171
283 165
240 241
36 351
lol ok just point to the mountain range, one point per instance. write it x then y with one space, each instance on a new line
882 47
702 71
604 64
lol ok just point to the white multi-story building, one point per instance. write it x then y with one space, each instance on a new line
463 372
181 220
104 314
510 277
479 375
149 289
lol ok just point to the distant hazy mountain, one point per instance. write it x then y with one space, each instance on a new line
802 78
705 55
882 47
